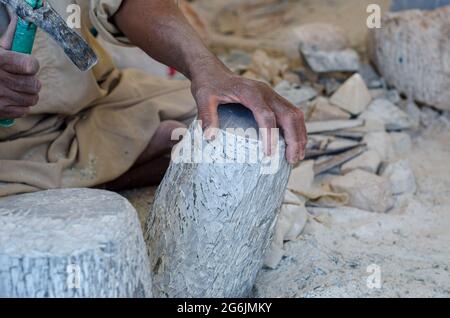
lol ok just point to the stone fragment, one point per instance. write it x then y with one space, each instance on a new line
428 116
401 143
322 110
331 61
393 96
331 125
238 61
401 177
353 96
377 93
370 125
331 85
413 112
267 68
381 142
392 116
342 143
368 161
367 191
371 78
295 94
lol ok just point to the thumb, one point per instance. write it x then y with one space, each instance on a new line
7 38
207 110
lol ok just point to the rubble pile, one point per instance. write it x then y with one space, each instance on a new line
359 130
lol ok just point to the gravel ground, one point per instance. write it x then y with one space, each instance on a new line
409 244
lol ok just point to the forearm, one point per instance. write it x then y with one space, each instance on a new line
162 31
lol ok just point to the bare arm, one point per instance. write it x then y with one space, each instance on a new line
160 29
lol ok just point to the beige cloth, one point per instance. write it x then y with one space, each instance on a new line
88 128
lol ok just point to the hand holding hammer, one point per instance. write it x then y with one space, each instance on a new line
19 86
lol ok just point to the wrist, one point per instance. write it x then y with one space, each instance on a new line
202 68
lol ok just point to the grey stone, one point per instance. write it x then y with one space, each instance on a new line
411 51
393 96
377 93
331 84
296 95
428 116
353 96
332 61
212 223
238 61
401 143
332 125
72 243
370 76
392 116
322 110
401 176
381 142
366 191
369 161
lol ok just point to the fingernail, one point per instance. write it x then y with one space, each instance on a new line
210 134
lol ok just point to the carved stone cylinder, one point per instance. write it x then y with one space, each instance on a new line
215 211
72 243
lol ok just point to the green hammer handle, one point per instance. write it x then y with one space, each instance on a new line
23 43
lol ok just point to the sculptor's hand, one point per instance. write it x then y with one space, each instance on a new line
19 86
161 30
212 88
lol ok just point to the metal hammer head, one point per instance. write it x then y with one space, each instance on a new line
46 18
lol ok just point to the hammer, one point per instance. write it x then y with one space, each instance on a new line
38 13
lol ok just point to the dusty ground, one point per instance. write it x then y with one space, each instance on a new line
409 244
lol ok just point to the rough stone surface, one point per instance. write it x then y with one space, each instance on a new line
322 110
393 96
332 61
371 78
393 117
401 176
377 93
368 161
353 96
72 243
296 95
415 45
381 142
211 223
428 116
401 143
367 191
332 125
